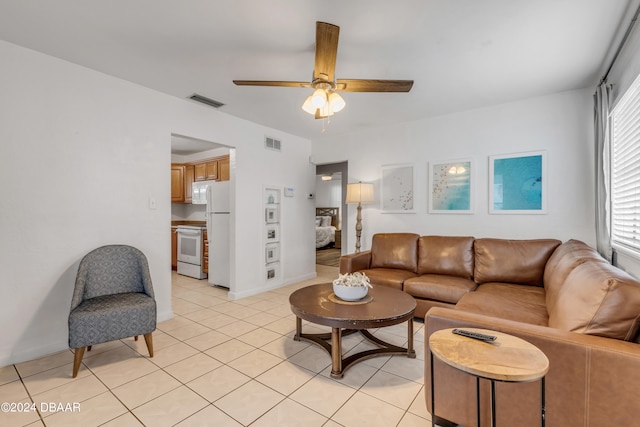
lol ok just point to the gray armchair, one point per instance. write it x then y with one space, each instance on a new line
113 299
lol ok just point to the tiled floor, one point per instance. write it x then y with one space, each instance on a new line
221 363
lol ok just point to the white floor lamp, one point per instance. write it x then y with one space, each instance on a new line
361 194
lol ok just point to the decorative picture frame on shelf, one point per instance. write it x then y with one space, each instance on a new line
272 253
272 272
272 233
451 188
272 214
518 183
397 194
271 196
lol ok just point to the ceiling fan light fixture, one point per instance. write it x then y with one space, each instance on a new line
336 102
319 98
308 107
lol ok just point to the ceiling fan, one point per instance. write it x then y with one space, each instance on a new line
325 101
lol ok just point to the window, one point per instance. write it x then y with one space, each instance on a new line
625 170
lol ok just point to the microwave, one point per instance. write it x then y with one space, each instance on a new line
199 192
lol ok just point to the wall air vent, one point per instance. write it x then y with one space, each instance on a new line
203 99
272 143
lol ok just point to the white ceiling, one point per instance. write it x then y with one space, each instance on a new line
462 54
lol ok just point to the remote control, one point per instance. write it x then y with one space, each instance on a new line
475 335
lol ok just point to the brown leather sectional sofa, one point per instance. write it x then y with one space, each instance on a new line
583 313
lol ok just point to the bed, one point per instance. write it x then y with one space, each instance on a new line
326 226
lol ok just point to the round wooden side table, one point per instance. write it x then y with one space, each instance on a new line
508 359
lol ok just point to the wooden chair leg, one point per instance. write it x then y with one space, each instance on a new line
89 348
135 338
77 359
149 340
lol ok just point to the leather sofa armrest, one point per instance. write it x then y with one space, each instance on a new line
590 380
355 262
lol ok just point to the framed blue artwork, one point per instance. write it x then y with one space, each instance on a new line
518 183
451 189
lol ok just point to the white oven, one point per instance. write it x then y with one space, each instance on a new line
190 251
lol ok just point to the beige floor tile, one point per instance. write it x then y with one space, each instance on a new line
188 331
176 322
126 420
107 359
102 348
192 367
236 328
355 376
218 321
184 307
170 408
312 358
285 377
93 412
323 395
283 326
199 315
249 402
209 416
290 414
419 405
207 340
44 363
411 420
411 369
265 305
52 378
285 347
13 392
145 389
255 362
160 341
8 374
172 354
259 337
363 410
261 319
79 390
281 311
392 389
21 412
119 373
217 383
230 350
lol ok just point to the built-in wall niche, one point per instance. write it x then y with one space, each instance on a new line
272 196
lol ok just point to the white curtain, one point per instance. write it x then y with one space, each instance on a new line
602 104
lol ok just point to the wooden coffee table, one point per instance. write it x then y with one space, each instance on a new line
382 307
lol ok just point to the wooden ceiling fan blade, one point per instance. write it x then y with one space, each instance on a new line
351 85
326 51
270 83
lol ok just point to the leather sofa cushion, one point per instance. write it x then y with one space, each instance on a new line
565 258
512 261
395 250
438 287
390 277
507 301
452 256
598 299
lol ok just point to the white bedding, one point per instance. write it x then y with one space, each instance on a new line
325 235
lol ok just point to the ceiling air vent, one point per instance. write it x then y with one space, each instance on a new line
272 143
203 99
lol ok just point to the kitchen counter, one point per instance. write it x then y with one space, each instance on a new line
191 223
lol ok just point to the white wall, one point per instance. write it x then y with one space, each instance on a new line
81 153
560 124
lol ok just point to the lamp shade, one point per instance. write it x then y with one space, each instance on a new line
359 193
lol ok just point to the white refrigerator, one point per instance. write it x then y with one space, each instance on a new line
218 213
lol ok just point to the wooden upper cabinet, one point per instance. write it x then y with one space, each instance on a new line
200 173
224 169
177 183
189 177
211 170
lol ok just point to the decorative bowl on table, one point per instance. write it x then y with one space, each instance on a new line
351 287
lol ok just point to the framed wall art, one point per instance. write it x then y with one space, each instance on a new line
397 189
272 253
272 214
518 183
272 233
451 187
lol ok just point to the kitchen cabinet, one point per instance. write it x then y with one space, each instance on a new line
174 248
206 171
189 177
224 169
177 183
